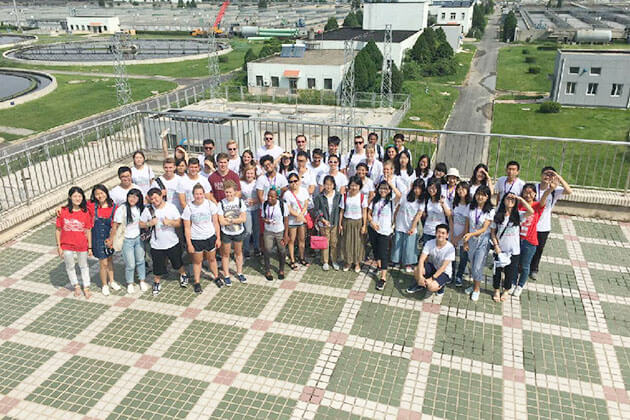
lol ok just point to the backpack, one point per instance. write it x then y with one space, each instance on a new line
240 204
162 186
266 206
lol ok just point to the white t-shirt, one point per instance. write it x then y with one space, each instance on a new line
352 162
164 237
398 182
142 178
438 256
353 206
307 179
119 195
510 239
275 152
426 178
473 190
503 186
449 195
201 219
290 201
375 170
132 230
171 189
276 215
368 186
317 172
407 179
476 219
544 223
406 213
248 191
232 209
460 214
264 183
185 186
435 216
340 180
234 165
383 216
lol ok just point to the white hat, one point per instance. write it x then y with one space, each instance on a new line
453 172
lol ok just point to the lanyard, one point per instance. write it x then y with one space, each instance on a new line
378 213
270 214
505 186
477 216
272 184
450 192
370 170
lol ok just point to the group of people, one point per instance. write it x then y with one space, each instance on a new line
369 204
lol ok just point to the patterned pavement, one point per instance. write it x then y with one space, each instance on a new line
321 345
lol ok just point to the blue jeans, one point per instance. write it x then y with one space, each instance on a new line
463 260
405 248
133 255
527 253
252 231
426 238
477 253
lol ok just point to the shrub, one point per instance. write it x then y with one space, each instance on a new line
530 59
533 69
223 58
549 107
525 51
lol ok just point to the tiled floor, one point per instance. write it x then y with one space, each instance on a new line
321 344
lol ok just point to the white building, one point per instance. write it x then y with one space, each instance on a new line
403 15
449 12
454 34
93 24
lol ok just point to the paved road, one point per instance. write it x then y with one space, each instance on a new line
473 109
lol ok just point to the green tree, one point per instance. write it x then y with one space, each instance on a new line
422 50
265 51
191 4
397 79
509 27
444 50
351 21
359 15
250 55
331 25
559 4
101 3
373 53
262 4
479 21
180 4
355 5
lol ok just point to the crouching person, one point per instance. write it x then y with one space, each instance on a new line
435 266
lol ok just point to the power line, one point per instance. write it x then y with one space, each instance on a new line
387 96
121 45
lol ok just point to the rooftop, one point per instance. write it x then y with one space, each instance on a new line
311 57
594 51
343 34
453 4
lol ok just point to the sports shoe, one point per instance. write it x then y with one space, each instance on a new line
474 296
533 275
325 267
114 285
183 280
458 282
380 284
227 281
415 288
441 291
517 291
144 286
197 288
105 290
335 266
130 288
219 282
346 268
157 288
449 281
469 290
409 269
242 278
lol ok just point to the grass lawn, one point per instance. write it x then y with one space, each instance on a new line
593 165
463 59
9 137
71 102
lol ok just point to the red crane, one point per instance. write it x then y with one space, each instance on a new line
222 10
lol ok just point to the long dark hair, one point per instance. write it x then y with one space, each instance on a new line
423 172
242 165
487 207
289 168
515 218
385 156
473 178
438 186
377 197
397 168
441 166
411 195
140 205
456 201
101 187
83 204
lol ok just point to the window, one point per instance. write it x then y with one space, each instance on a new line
453 15
293 85
570 88
328 84
259 80
275 81
592 89
463 16
105 28
616 90
443 17
574 70
311 83
596 71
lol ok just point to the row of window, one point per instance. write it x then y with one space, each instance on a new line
595 71
591 89
83 28
311 83
453 15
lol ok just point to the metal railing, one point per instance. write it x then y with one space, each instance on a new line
58 162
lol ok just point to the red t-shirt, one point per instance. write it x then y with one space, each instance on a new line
528 226
216 182
73 226
103 212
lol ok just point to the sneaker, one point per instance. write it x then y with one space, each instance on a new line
458 282
517 291
346 268
414 288
183 280
130 288
325 267
474 296
533 275
441 291
157 288
335 266
197 288
114 285
469 290
357 269
242 278
219 282
409 269
227 281
105 290
449 281
144 286
380 284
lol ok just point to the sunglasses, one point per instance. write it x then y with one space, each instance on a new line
208 147
358 142
268 138
231 148
293 181
301 160
301 141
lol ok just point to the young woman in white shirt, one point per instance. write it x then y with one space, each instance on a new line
423 168
405 245
381 220
459 215
403 168
374 166
232 216
353 224
141 174
480 176
327 208
296 200
252 224
436 210
368 188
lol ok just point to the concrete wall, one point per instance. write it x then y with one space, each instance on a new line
407 16
93 24
614 69
454 35
318 72
463 16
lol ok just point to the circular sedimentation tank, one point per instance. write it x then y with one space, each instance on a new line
16 84
9 40
102 51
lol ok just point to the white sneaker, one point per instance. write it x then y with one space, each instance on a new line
517 291
475 296
143 286
335 266
469 290
105 290
325 267
114 285
130 288
409 269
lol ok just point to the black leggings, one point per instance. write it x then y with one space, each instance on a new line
542 240
380 246
509 272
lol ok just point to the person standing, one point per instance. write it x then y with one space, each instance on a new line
399 143
168 183
220 176
307 178
102 209
423 168
355 156
141 174
301 146
368 188
269 148
380 228
436 209
340 179
232 218
373 164
252 225
406 216
435 266
480 176
448 189
317 167
510 183
327 208
461 207
207 155
378 149
271 179
296 200
353 224
187 182
234 160
119 193
403 169
333 150
275 220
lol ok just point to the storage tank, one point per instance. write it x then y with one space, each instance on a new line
593 35
247 31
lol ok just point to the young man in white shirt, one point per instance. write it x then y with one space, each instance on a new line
188 181
270 179
333 150
317 166
234 160
399 143
164 219
510 183
300 142
378 149
355 156
435 266
548 175
168 183
119 193
268 148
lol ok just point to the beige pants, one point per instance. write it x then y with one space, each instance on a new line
331 252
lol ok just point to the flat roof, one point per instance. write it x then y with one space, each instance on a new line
453 3
342 34
618 51
311 57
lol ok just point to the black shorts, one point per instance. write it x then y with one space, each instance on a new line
202 245
159 257
228 239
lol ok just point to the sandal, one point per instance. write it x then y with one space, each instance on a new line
268 276
77 291
293 265
304 262
87 293
504 296
497 296
281 275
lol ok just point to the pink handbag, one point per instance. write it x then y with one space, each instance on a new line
319 242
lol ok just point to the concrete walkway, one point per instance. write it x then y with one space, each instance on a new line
130 76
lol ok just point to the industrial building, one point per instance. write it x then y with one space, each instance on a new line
93 24
453 12
454 34
592 78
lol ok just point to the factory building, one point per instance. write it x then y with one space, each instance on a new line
93 24
592 78
453 12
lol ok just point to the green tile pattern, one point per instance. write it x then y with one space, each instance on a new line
327 413
44 236
67 318
599 231
283 357
250 405
173 294
386 323
553 309
556 275
12 260
617 318
455 297
78 384
16 303
606 254
623 354
338 279
469 339
544 403
206 343
611 283
311 310
18 362
53 273
246 301
556 248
